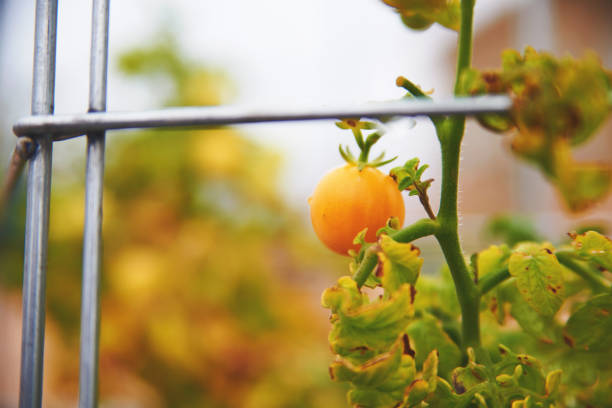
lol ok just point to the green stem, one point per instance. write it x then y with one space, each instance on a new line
419 229
450 142
418 93
368 263
358 138
365 152
467 292
464 51
422 228
567 260
492 279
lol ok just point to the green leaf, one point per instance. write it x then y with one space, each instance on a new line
430 370
465 378
344 295
531 376
360 237
373 398
426 335
525 403
379 382
444 396
372 373
420 15
539 277
594 247
533 323
553 380
590 326
361 329
400 263
417 392
581 368
492 259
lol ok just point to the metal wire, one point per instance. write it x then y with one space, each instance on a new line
37 211
68 126
92 234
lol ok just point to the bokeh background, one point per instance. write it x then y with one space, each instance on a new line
212 274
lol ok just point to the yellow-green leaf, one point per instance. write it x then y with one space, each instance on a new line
594 247
539 278
362 330
430 370
372 373
400 263
492 259
553 380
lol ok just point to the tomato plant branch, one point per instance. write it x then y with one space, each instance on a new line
464 51
450 136
566 259
415 91
367 265
492 279
424 199
422 228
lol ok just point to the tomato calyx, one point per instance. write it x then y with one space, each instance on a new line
356 126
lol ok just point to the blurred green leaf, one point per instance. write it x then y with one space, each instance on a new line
590 326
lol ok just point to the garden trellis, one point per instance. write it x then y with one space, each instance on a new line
40 130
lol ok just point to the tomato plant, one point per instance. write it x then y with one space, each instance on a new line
521 324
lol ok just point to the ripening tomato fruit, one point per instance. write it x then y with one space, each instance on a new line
347 200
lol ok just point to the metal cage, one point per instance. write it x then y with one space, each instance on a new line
45 128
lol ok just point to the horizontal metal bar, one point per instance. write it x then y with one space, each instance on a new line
68 126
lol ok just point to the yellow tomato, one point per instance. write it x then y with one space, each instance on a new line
347 200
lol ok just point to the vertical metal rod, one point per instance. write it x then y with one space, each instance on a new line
37 211
92 236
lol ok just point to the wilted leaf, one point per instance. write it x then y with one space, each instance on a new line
379 382
581 184
371 373
558 103
594 247
400 263
362 330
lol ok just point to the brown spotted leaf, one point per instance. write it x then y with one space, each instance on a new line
539 277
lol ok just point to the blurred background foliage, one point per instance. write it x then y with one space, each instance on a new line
210 283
